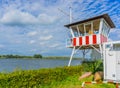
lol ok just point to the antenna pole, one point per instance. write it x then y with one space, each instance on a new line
70 14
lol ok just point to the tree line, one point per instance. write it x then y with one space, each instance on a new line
39 56
20 56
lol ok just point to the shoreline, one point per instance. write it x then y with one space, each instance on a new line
43 58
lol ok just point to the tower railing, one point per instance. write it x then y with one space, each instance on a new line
86 40
69 42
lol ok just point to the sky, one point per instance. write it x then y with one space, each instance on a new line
29 27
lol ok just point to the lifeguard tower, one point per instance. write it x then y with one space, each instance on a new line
93 33
89 34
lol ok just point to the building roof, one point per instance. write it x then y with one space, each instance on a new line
105 16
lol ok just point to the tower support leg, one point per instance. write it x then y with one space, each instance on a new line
101 50
73 51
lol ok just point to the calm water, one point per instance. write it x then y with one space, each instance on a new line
9 65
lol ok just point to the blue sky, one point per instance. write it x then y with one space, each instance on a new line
28 27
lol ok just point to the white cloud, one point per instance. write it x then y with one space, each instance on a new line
42 43
115 30
54 45
18 41
16 17
45 38
32 41
32 33
1 46
45 32
44 18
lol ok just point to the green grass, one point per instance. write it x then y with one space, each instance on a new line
64 77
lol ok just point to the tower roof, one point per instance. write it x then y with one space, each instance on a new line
105 16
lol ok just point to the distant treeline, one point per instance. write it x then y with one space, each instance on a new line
37 56
20 56
59 57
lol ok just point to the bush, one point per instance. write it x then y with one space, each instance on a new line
37 56
37 78
93 66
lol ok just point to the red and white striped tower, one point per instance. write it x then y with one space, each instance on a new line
89 34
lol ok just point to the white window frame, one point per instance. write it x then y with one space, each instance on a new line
88 23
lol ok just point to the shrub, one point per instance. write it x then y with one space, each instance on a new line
37 56
37 78
93 66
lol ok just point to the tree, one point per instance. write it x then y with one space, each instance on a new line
84 52
93 64
37 56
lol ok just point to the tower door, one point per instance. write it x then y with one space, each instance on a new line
110 65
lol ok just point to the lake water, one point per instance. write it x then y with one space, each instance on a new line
9 65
